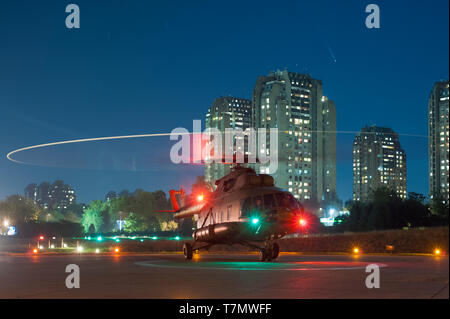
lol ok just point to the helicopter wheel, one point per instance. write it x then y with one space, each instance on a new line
275 250
265 255
187 251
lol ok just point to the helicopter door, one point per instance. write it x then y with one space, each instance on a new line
246 207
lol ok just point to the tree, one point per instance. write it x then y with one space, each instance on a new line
19 209
144 204
185 226
169 226
124 193
439 207
71 217
73 213
415 213
134 223
77 209
385 210
417 197
93 217
51 216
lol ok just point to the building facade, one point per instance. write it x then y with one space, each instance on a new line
55 196
438 147
224 113
32 192
306 122
378 160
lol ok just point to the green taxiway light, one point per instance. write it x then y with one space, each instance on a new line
99 238
154 237
255 221
117 240
141 240
177 238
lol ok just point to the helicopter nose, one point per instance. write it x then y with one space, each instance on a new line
284 216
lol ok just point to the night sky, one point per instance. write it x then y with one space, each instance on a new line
136 67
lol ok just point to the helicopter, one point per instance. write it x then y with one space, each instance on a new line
244 208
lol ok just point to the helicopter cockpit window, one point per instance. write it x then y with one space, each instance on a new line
286 200
269 201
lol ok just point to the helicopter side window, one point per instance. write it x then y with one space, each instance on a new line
269 201
286 200
246 206
258 203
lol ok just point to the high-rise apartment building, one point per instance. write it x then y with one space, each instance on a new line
227 112
32 192
57 195
378 160
438 148
306 121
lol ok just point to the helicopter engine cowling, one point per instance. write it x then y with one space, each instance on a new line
216 232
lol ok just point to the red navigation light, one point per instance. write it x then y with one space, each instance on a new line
302 222
200 198
41 237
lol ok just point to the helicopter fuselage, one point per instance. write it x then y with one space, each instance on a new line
254 214
245 207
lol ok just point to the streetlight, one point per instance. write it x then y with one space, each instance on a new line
6 223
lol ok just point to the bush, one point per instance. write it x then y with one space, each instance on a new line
58 229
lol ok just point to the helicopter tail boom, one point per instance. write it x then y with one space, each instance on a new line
173 197
189 211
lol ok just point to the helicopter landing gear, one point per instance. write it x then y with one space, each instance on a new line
187 251
269 252
264 255
275 250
